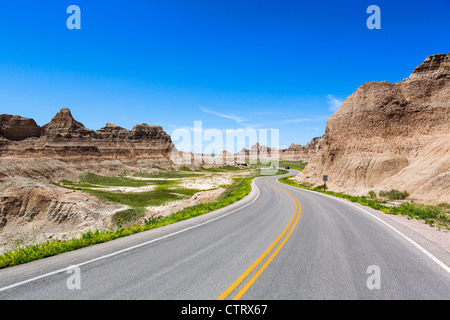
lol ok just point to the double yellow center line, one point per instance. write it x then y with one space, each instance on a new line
248 284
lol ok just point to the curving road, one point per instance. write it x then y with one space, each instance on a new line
280 242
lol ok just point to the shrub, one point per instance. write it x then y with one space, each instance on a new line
394 194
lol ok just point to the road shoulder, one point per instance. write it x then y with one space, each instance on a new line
435 241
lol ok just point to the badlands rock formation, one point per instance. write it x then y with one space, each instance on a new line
18 128
294 152
33 211
391 135
64 148
297 152
66 139
32 156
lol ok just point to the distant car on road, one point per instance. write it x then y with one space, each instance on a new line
287 168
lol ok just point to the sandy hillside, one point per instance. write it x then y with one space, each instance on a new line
391 136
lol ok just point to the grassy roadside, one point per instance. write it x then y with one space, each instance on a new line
235 192
432 215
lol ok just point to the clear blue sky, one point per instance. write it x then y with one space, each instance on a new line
232 64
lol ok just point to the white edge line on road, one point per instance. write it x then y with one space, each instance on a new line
129 248
418 246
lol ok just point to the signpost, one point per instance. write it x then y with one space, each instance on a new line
325 179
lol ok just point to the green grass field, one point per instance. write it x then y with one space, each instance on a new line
116 181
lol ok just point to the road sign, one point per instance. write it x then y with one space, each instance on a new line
325 178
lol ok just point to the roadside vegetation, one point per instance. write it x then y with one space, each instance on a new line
164 191
235 192
390 195
438 215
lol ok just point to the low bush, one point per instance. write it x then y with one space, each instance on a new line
372 194
394 194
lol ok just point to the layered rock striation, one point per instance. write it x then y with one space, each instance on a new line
32 209
66 139
18 128
296 152
391 136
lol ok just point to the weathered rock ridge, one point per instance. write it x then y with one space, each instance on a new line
18 128
66 139
391 135
297 152
32 209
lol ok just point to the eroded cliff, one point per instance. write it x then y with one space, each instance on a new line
391 135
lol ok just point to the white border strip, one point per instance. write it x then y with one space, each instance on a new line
129 248
415 244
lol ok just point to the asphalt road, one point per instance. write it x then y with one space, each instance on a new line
280 242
